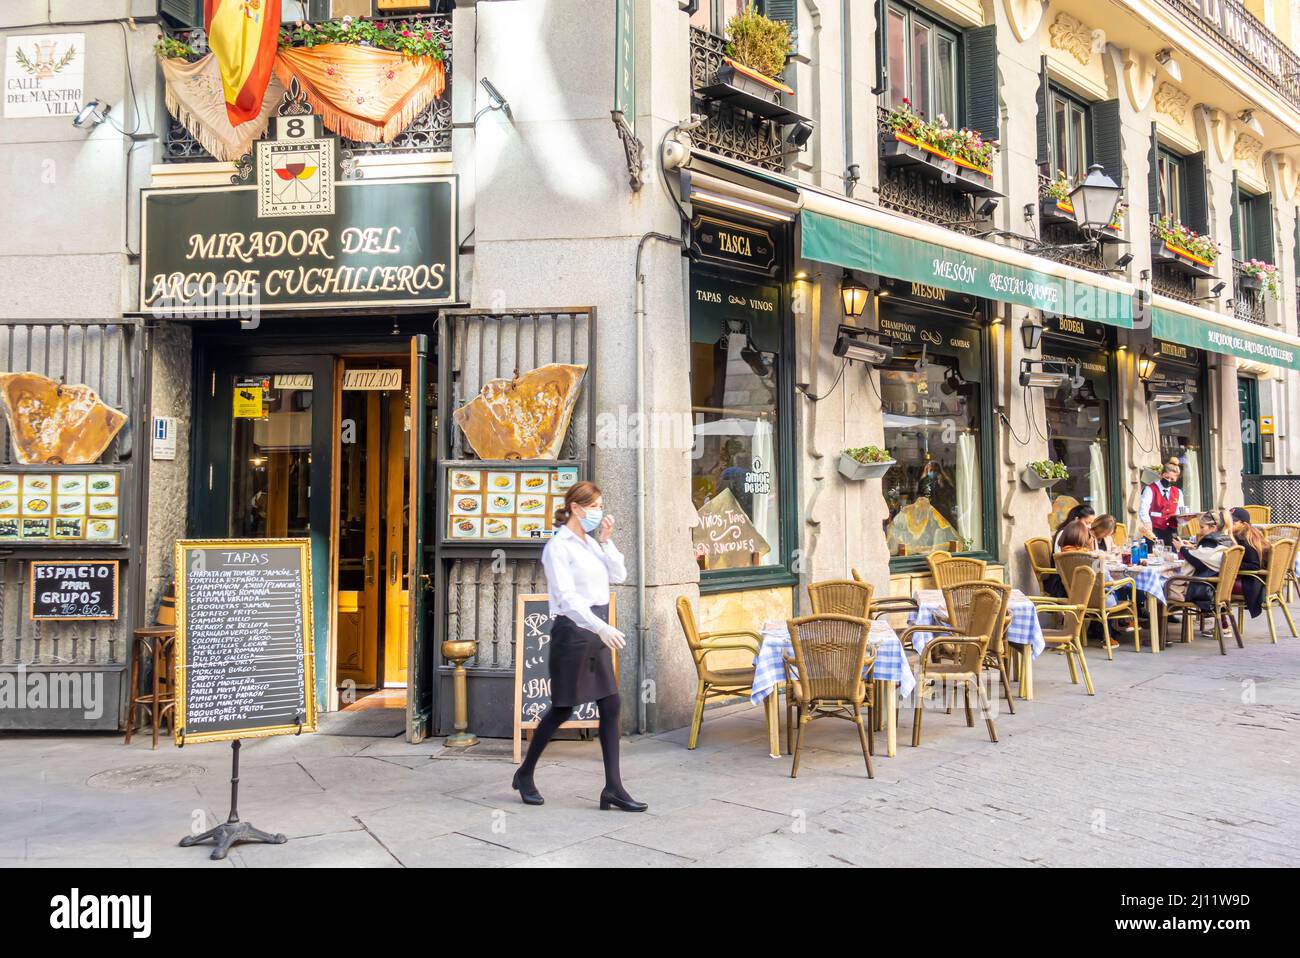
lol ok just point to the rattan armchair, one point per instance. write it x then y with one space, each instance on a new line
960 602
1120 536
1260 515
1096 599
713 683
1281 559
890 604
1221 605
960 659
1039 550
948 570
1285 530
841 597
1067 638
825 676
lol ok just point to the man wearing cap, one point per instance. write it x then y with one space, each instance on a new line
1161 502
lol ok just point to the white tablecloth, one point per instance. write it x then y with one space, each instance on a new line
890 665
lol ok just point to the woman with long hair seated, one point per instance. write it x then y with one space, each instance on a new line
1249 587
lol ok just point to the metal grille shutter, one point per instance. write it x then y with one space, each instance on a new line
982 107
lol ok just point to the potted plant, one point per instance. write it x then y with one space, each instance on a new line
1043 474
1054 201
1149 475
1174 243
865 462
961 153
1257 275
756 52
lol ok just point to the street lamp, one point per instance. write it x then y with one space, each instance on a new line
1031 334
854 296
1146 366
1094 200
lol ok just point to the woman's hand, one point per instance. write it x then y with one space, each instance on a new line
612 637
605 529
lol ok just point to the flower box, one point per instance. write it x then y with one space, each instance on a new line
903 150
751 81
745 89
1052 210
855 471
1180 259
1252 283
1033 480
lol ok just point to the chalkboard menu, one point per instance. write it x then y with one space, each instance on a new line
70 589
725 538
244 655
533 622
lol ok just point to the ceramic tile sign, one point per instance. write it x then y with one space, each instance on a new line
44 75
73 590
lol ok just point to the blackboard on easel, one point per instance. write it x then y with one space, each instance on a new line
533 623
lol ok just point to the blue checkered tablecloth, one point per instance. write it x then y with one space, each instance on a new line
1150 579
1024 628
890 665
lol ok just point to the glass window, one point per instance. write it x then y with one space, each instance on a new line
1068 131
1170 171
922 64
270 494
1078 432
931 400
1181 425
713 15
735 407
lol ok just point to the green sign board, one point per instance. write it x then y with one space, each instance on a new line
625 59
852 245
1175 327
208 254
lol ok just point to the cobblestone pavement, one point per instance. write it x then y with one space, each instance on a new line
1184 758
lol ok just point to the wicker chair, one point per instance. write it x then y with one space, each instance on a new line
1095 601
949 570
960 601
890 604
1281 559
1260 515
1039 550
1120 536
1285 530
841 597
831 652
960 659
1221 604
1068 637
715 682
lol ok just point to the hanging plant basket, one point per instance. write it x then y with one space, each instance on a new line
1148 477
1252 283
1033 480
855 471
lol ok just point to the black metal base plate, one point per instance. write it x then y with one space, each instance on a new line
232 833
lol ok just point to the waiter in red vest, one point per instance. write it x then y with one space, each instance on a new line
1161 502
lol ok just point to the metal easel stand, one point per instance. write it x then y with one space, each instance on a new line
233 831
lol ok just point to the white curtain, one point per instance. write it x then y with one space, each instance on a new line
970 517
1097 478
764 460
1192 481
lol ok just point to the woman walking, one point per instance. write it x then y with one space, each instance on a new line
580 562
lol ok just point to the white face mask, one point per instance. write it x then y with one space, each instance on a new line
592 519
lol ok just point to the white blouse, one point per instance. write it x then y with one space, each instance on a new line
578 575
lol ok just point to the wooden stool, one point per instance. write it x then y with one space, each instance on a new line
160 643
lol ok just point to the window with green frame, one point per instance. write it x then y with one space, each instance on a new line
1068 134
1172 185
1252 225
921 55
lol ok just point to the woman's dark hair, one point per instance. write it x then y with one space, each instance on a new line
1080 511
1076 535
582 494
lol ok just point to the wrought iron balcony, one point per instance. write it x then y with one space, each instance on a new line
917 191
430 132
729 129
1058 228
1236 31
1174 277
1247 297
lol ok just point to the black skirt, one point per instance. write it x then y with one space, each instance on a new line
582 666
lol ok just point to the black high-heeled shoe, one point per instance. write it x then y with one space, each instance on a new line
527 790
608 799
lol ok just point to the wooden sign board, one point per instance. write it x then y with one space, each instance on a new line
245 659
725 537
71 590
533 623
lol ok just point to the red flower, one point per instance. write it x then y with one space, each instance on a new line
428 34
406 33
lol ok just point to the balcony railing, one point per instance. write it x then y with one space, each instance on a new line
728 130
1235 30
1247 303
1169 280
430 132
918 192
1057 231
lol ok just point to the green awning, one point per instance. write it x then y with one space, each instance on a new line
1000 273
1230 340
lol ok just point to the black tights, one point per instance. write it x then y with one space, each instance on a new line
556 716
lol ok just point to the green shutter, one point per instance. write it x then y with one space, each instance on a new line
1107 142
882 49
1044 120
982 107
1196 188
1295 249
1259 245
788 11
186 13
1153 176
1237 251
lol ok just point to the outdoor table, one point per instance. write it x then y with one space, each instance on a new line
1023 629
890 669
1151 580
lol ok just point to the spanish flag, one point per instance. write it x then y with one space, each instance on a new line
243 35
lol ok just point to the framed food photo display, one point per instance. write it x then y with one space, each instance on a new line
504 502
61 505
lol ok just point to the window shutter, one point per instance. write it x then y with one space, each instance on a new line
1295 250
1044 120
1259 245
882 47
1198 197
1237 252
982 108
787 10
1153 176
186 13
1107 142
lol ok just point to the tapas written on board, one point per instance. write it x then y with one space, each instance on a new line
533 622
69 589
245 659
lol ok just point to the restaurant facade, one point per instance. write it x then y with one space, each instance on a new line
706 281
